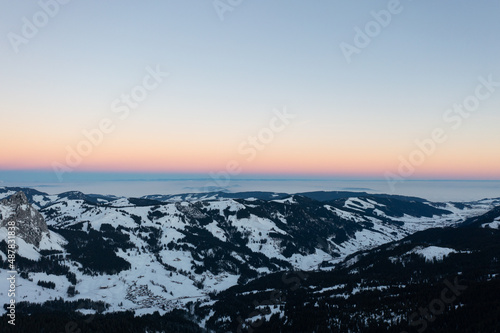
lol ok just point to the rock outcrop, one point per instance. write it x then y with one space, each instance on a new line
29 222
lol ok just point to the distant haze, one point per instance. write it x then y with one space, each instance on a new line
144 184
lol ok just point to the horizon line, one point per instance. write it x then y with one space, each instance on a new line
45 176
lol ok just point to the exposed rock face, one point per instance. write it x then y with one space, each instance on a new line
29 222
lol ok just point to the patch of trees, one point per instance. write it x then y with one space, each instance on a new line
96 254
123 322
46 284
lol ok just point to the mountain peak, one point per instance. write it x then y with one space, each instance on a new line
29 223
19 198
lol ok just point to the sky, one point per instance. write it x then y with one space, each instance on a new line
334 89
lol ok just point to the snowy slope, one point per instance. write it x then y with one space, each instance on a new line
167 252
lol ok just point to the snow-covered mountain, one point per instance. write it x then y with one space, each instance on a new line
159 253
18 216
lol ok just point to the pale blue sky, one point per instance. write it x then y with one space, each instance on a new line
226 76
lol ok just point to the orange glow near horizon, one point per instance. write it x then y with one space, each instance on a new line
313 165
290 154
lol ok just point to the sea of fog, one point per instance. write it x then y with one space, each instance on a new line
434 190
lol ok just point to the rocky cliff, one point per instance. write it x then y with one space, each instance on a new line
29 222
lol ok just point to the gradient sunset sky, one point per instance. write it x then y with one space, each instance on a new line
356 116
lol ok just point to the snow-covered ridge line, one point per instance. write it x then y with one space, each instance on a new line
166 252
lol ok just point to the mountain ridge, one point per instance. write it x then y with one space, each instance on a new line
178 254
